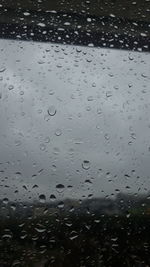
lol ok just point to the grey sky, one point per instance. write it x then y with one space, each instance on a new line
102 102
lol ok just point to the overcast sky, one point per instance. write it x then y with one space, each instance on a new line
100 102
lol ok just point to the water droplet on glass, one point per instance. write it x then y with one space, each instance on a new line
88 182
18 175
26 14
2 69
93 84
52 197
86 164
51 111
73 235
35 186
5 200
88 108
90 98
60 188
60 205
17 142
47 139
130 57
41 24
106 137
99 111
108 94
51 92
130 85
40 229
42 147
58 132
144 75
133 135
10 87
21 92
42 198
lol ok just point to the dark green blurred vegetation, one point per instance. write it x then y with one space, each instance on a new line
78 237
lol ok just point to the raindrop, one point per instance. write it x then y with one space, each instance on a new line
42 198
88 182
98 127
93 84
90 98
17 142
54 168
51 92
5 200
143 75
2 69
60 205
89 19
47 139
26 14
35 186
10 87
42 147
58 132
73 235
108 94
18 175
133 135
86 164
99 111
52 197
40 229
51 111
130 85
13 207
116 87
24 186
60 188
21 92
41 62
106 136
41 24
131 58
88 108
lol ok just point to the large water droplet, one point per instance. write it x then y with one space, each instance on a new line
60 188
42 198
52 197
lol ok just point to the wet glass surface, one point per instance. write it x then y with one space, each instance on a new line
74 134
74 161
118 24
